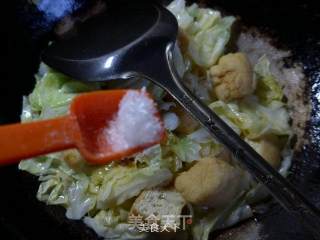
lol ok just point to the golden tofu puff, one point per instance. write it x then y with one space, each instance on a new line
232 77
159 202
211 182
268 148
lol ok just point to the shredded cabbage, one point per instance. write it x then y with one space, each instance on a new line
113 224
118 184
208 33
208 220
171 154
254 120
268 88
53 93
185 149
82 190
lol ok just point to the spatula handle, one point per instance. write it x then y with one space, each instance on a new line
25 140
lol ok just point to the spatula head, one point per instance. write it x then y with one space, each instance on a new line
123 39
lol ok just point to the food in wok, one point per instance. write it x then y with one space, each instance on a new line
189 184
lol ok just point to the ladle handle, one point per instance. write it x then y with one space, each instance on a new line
277 185
24 140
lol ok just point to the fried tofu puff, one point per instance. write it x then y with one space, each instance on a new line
232 77
211 182
269 149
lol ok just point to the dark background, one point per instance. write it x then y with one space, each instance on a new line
26 31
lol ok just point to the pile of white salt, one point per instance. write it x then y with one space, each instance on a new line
136 122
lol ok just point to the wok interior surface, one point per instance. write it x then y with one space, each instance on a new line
294 25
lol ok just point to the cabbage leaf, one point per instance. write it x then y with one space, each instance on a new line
113 224
101 188
208 33
206 221
268 88
54 92
252 119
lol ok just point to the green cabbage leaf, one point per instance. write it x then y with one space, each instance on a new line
208 220
54 92
268 88
113 224
207 31
253 120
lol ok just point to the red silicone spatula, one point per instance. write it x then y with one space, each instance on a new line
81 129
